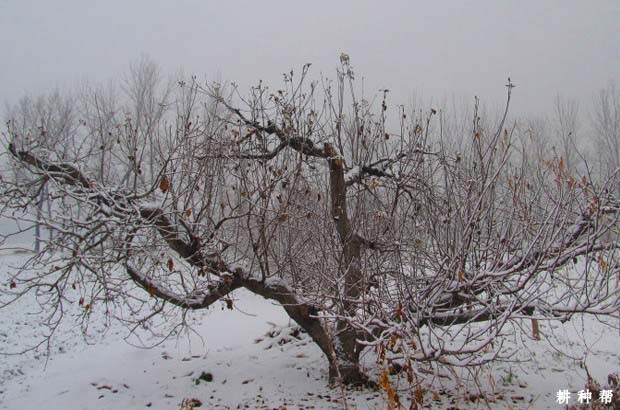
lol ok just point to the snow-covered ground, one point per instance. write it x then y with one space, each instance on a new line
253 361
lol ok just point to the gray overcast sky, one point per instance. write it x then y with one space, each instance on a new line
434 48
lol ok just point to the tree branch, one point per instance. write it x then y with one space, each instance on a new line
303 145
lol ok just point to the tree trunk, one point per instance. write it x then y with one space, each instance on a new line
346 348
37 226
343 358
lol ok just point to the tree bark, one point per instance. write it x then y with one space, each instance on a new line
346 348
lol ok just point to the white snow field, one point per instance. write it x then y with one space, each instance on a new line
249 369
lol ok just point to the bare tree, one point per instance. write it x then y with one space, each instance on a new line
566 129
361 220
606 124
46 122
100 113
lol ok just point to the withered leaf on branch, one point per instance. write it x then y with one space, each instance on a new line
535 329
164 185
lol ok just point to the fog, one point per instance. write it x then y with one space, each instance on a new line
431 49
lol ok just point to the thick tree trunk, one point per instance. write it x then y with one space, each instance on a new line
342 354
346 348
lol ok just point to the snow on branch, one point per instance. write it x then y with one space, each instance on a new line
195 300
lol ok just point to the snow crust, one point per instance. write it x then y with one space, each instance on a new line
352 174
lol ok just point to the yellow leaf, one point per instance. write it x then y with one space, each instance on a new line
188 213
283 218
409 374
385 383
535 329
399 311
602 263
170 264
419 395
164 184
392 342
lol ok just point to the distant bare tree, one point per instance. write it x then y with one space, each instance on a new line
47 123
101 115
363 222
566 113
606 124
